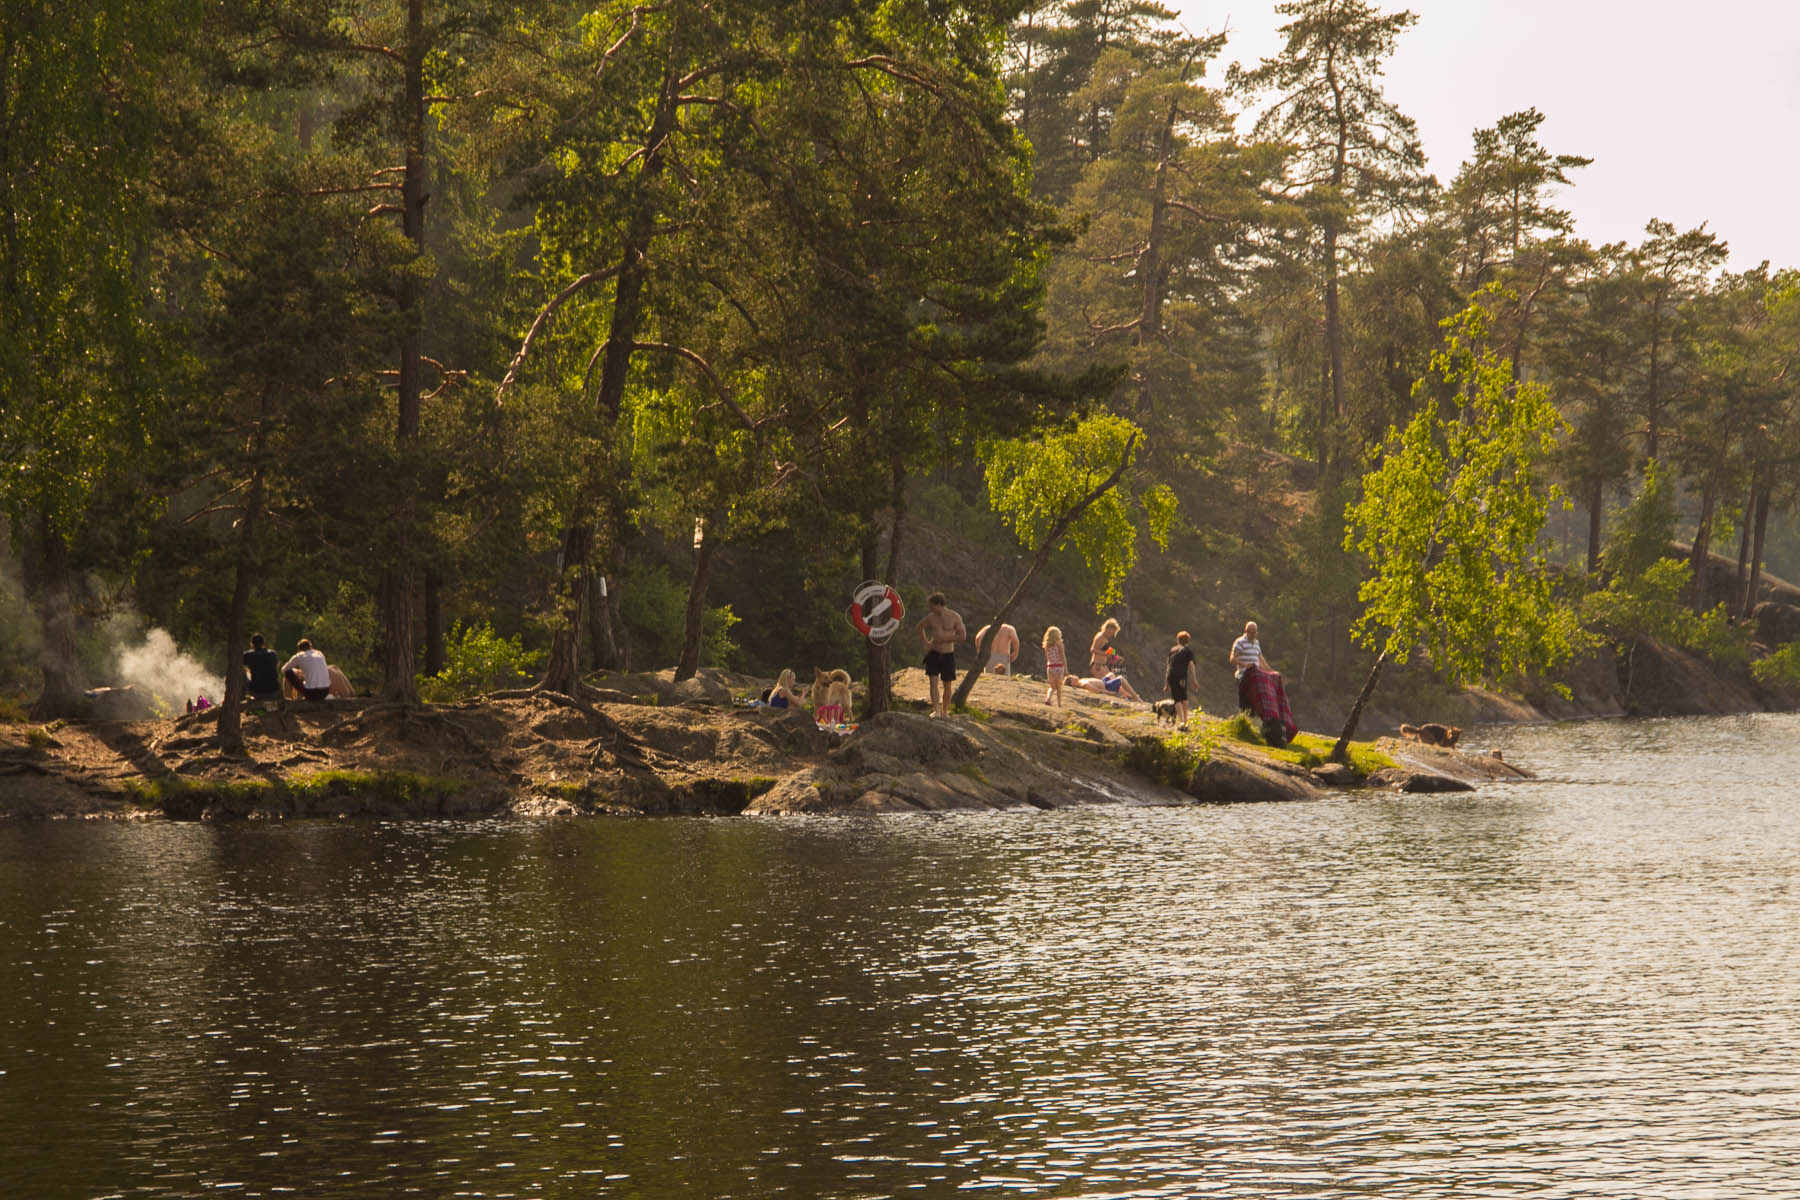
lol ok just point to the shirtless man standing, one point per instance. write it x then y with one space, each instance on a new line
940 631
1004 651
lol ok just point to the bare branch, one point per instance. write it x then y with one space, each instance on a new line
543 318
724 393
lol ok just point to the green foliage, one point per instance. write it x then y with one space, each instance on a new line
1173 759
1240 726
1780 669
1311 750
1651 606
12 712
477 660
654 605
1038 484
1449 520
347 631
1642 530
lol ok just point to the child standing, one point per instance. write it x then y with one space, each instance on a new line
1056 665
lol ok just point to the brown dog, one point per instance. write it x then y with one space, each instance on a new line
1432 734
830 694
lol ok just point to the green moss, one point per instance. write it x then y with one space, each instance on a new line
12 712
187 797
980 714
1312 750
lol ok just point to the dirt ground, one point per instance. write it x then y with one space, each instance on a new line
640 745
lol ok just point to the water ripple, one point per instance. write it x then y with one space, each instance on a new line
1579 986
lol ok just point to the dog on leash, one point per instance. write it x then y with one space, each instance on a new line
1432 734
1163 711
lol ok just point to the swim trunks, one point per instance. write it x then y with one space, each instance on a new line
940 664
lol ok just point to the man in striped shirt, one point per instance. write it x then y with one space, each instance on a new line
1246 652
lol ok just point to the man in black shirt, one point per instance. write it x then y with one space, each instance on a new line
264 670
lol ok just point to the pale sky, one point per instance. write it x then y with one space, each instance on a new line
1690 111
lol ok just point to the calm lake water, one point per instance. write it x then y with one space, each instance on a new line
1585 985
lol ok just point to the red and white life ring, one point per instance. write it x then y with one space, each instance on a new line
875 610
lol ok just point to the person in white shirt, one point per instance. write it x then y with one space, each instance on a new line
307 672
1247 652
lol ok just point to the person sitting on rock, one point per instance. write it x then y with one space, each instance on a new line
307 672
782 694
263 668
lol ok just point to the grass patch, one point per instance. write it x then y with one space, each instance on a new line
969 710
12 712
1242 727
1314 749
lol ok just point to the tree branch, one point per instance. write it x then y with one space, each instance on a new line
542 319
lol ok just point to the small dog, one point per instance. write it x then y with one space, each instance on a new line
830 696
1433 734
1164 711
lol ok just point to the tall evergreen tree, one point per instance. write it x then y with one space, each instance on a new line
1356 156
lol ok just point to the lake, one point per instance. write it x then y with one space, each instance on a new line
1582 985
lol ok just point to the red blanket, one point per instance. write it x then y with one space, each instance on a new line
1263 693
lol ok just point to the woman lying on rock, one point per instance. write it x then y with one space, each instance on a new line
1110 684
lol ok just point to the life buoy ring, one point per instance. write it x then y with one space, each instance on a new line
875 610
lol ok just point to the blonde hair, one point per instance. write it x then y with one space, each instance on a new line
785 679
1053 636
1109 626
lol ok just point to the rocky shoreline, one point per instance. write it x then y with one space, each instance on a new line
647 746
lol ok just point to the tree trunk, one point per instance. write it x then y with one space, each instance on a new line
694 627
55 596
1596 518
1756 551
562 673
1700 561
1340 752
434 621
1334 352
876 659
399 669
231 712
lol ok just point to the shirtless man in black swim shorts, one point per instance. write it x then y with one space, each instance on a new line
941 629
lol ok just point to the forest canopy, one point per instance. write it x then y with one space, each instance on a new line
493 344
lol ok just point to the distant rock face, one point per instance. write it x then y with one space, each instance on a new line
1776 623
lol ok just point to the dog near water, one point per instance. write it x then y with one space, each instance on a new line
1432 734
1163 711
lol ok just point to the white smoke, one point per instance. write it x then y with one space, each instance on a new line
159 668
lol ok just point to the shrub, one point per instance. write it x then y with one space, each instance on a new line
654 607
1243 727
1780 669
477 660
1649 605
